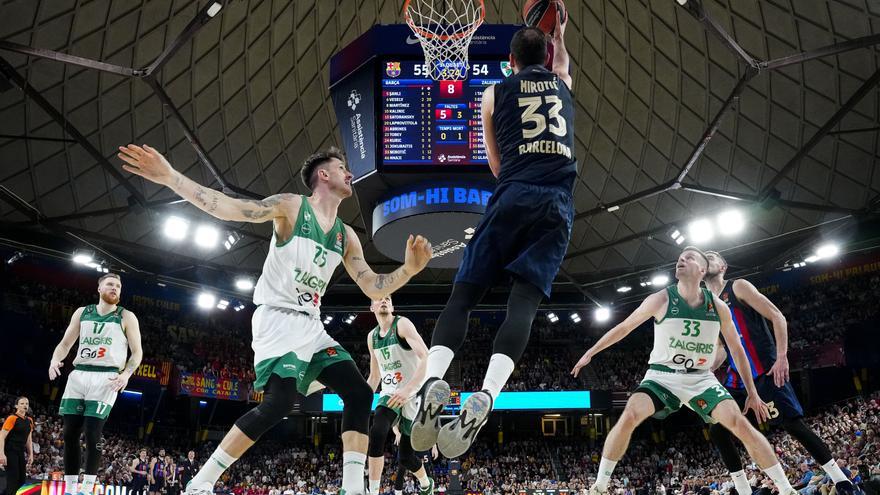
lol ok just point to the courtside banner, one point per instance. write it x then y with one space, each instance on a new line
57 488
507 401
212 387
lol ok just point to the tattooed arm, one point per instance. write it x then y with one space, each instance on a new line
151 165
376 286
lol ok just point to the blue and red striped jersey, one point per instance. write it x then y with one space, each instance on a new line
755 334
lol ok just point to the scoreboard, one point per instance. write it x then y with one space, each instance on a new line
425 122
415 145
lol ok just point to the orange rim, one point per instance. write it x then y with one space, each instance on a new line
443 37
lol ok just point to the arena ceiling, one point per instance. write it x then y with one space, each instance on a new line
768 106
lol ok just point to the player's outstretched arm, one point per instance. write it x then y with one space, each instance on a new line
133 334
375 375
408 332
738 355
63 348
653 305
561 59
487 108
376 286
151 165
749 294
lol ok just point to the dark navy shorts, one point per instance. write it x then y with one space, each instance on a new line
524 232
782 401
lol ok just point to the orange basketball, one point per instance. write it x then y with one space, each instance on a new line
541 14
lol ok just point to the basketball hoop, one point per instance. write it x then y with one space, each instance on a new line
444 29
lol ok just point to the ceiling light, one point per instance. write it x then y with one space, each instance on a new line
659 280
244 284
624 288
223 304
214 9
700 231
575 317
83 257
206 300
731 222
602 314
207 236
827 251
811 259
175 228
231 239
552 317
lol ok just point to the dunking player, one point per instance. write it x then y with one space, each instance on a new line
687 323
528 124
292 350
753 315
105 332
397 362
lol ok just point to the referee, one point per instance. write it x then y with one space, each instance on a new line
15 440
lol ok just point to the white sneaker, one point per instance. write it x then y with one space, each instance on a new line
433 398
457 436
202 488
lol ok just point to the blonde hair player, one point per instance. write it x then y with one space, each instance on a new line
104 332
292 350
687 323
398 361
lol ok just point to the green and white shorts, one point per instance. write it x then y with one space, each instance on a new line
700 391
405 414
89 392
291 344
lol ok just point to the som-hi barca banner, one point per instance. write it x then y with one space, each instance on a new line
212 387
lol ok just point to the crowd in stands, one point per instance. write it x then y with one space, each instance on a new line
218 343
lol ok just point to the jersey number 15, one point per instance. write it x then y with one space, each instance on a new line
530 114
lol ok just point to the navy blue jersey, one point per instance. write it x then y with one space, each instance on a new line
534 128
756 335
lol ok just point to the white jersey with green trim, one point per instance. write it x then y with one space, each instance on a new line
297 270
397 364
102 340
686 337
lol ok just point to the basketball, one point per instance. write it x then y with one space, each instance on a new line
541 14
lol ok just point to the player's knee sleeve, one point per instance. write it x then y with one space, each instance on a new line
357 400
94 428
723 440
278 401
72 452
400 476
452 324
407 456
808 438
382 422
513 334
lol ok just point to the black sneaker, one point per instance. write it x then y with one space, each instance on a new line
432 398
458 435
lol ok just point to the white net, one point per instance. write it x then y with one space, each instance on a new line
444 29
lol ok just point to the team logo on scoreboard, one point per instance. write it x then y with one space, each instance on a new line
392 69
506 69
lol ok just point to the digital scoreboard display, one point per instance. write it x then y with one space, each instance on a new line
428 122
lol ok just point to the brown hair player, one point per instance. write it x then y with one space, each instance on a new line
754 316
528 127
104 333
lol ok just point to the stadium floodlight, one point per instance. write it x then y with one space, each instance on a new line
624 289
602 314
350 319
214 9
552 317
207 236
239 307
576 318
223 304
84 257
231 239
175 228
244 283
660 279
328 319
812 259
676 235
827 251
206 300
700 231
731 222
